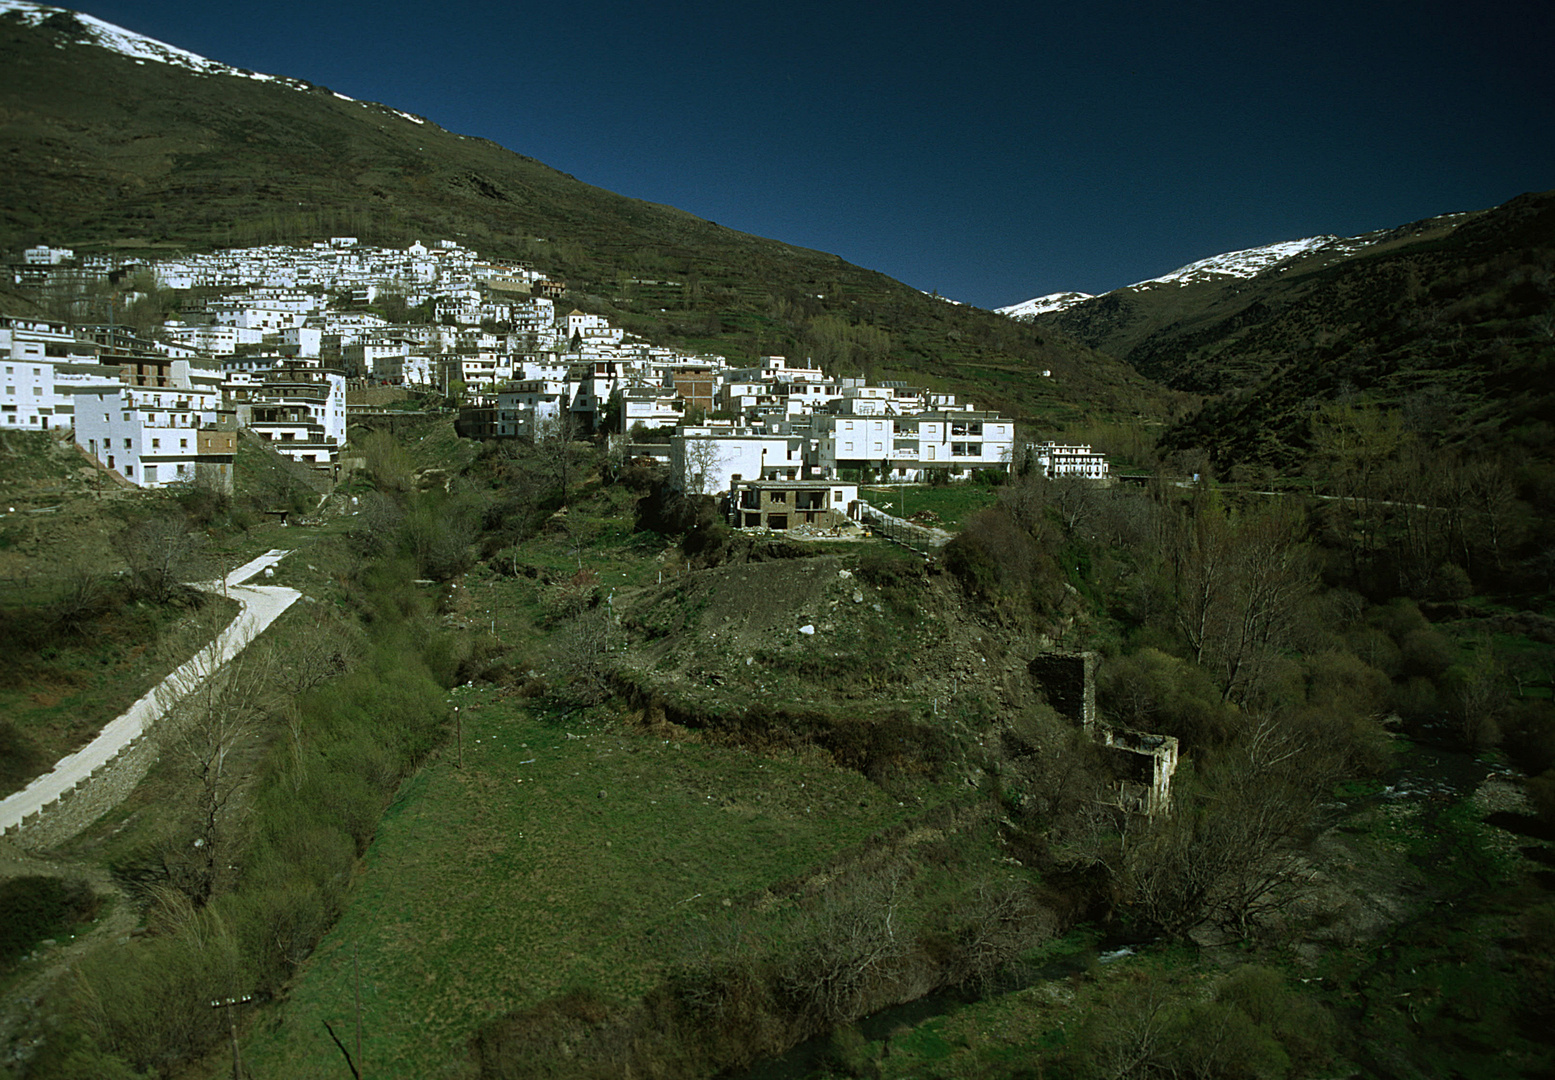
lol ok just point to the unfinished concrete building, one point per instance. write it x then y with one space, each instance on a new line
787 504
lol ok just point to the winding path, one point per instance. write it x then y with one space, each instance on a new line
261 605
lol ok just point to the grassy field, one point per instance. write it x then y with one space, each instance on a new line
568 852
954 503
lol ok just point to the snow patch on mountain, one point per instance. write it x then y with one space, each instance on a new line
89 30
1042 305
95 31
1247 263
1251 262
925 292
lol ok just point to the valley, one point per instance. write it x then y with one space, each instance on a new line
705 657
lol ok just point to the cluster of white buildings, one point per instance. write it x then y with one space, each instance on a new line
157 419
277 336
340 264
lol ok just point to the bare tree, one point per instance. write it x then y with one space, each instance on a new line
997 921
162 553
1240 582
1135 1032
1481 688
702 458
556 451
214 711
1231 854
849 943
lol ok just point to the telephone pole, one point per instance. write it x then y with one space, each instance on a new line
232 1027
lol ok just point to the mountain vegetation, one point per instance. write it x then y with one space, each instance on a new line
1446 322
556 774
671 801
107 153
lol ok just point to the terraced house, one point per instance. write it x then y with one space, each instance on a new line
906 447
164 424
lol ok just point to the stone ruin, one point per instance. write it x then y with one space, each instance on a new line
1142 763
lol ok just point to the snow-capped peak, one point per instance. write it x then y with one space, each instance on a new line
137 47
1029 309
87 29
1247 263
1251 262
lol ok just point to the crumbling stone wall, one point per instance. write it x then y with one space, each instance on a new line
1069 682
1151 760
1143 763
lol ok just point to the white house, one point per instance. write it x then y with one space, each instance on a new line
709 460
650 407
380 358
530 408
164 425
301 411
43 365
212 340
43 255
1056 459
906 446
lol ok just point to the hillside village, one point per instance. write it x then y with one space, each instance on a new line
274 340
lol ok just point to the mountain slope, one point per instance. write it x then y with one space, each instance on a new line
1454 311
139 146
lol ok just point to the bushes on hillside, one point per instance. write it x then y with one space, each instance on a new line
871 936
313 812
998 561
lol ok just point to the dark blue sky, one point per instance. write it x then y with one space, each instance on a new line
992 152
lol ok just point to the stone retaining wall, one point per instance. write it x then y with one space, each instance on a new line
107 786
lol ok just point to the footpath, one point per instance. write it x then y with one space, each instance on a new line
33 818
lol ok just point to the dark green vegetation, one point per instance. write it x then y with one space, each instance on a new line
104 153
1447 322
563 852
33 909
706 796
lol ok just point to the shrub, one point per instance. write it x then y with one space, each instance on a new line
35 908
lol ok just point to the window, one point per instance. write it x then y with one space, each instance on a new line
156 444
126 444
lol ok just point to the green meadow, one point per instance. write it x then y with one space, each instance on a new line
568 852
